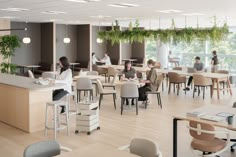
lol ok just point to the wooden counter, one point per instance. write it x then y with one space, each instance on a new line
22 102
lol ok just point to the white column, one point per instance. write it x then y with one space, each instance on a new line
162 54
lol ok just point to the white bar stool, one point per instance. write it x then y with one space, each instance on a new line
56 127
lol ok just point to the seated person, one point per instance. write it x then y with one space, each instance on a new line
129 73
94 58
149 82
172 59
65 77
106 59
198 67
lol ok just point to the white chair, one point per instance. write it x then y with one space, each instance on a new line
30 73
143 148
50 75
103 92
129 91
204 139
84 84
44 149
56 118
111 84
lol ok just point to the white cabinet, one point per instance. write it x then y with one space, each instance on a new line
88 118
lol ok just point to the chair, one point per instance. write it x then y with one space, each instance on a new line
143 148
111 84
30 73
84 84
177 68
129 91
176 79
204 139
156 92
44 149
101 71
111 72
103 92
201 81
233 140
50 75
92 73
94 82
223 82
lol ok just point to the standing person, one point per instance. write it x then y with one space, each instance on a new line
214 62
150 82
94 58
128 73
172 59
198 67
65 77
106 59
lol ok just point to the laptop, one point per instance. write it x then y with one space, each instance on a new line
212 118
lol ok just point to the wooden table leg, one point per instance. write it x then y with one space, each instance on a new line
218 88
229 87
212 88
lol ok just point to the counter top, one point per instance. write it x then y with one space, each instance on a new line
26 82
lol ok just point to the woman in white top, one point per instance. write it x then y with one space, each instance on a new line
106 59
65 77
94 58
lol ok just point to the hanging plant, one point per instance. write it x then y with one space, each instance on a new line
188 34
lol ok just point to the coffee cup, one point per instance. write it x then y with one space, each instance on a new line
230 120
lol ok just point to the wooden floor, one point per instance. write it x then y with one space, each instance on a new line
117 130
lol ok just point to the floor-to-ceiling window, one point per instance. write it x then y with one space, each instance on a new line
226 51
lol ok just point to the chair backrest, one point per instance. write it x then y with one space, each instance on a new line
198 130
139 74
200 80
92 73
177 68
129 90
223 71
144 148
100 87
84 83
114 78
30 73
43 149
48 75
173 76
111 71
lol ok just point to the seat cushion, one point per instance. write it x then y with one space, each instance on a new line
208 146
105 91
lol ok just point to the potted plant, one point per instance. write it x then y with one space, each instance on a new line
8 44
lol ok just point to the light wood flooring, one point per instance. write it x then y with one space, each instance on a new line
117 130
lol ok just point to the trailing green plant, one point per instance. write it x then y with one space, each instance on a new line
175 35
8 44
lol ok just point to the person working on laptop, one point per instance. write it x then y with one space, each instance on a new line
198 67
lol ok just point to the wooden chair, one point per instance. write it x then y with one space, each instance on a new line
111 72
223 82
201 81
176 79
204 139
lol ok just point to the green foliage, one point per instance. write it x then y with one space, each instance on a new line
172 35
8 44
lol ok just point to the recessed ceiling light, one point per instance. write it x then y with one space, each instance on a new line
123 5
9 17
53 20
53 12
14 9
100 16
82 1
170 11
193 14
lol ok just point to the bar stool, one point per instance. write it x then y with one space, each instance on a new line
56 126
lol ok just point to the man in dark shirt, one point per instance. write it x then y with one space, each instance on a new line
198 67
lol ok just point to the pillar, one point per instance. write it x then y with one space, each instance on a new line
162 54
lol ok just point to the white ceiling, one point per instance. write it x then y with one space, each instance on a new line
146 12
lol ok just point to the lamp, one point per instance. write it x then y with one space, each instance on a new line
26 39
66 40
99 40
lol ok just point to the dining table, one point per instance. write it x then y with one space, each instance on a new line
216 79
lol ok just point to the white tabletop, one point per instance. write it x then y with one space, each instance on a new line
92 77
26 82
29 66
97 150
129 60
121 67
74 63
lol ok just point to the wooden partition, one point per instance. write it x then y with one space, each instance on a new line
4 24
